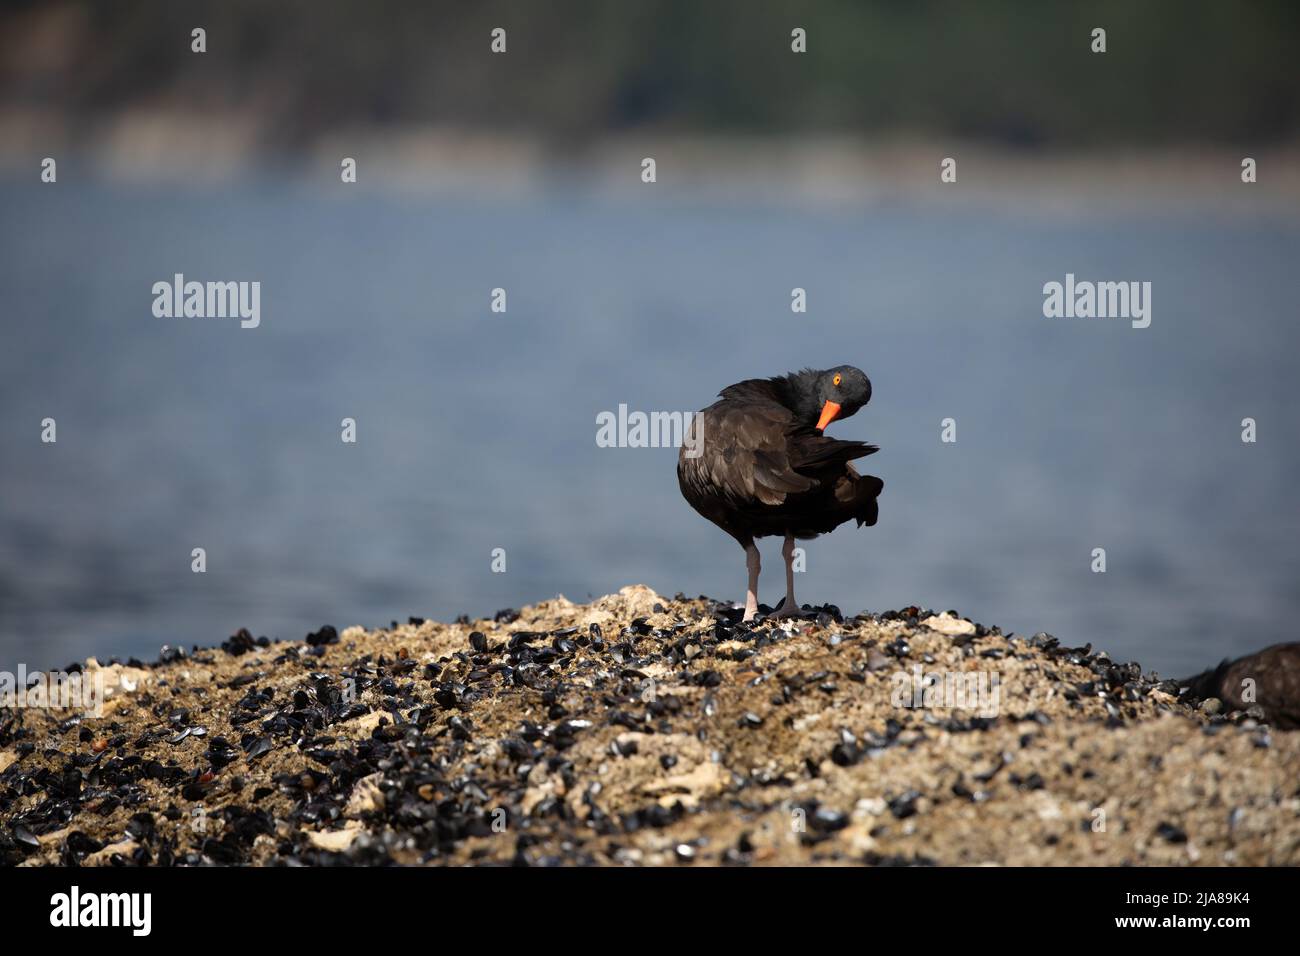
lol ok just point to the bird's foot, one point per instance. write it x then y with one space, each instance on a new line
788 608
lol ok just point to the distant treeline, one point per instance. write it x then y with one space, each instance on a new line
1174 71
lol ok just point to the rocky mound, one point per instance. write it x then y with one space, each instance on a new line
642 730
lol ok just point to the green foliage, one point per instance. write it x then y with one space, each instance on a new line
1015 72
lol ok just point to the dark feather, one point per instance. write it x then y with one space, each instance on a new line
761 471
1271 677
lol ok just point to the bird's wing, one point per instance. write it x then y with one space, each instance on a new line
811 452
744 456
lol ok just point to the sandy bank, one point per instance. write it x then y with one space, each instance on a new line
639 729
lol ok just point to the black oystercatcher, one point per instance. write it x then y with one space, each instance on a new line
1269 678
757 463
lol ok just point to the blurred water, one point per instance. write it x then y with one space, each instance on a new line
478 430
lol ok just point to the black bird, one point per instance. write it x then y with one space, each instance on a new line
757 463
1269 678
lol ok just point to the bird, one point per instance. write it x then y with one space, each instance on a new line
758 463
1269 678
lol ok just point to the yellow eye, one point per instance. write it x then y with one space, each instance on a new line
836 381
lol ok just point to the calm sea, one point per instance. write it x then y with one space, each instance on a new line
477 430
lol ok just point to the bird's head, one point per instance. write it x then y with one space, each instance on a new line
819 398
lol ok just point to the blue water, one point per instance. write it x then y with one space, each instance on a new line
477 430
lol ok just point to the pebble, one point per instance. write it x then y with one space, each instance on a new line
904 805
1170 833
826 820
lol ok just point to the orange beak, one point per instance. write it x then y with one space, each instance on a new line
829 411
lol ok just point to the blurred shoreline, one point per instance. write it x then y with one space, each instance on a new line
211 150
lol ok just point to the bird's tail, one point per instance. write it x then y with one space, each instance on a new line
860 493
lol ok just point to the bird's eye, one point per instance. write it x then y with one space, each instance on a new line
836 381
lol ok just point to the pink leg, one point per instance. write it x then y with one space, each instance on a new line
791 607
753 564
